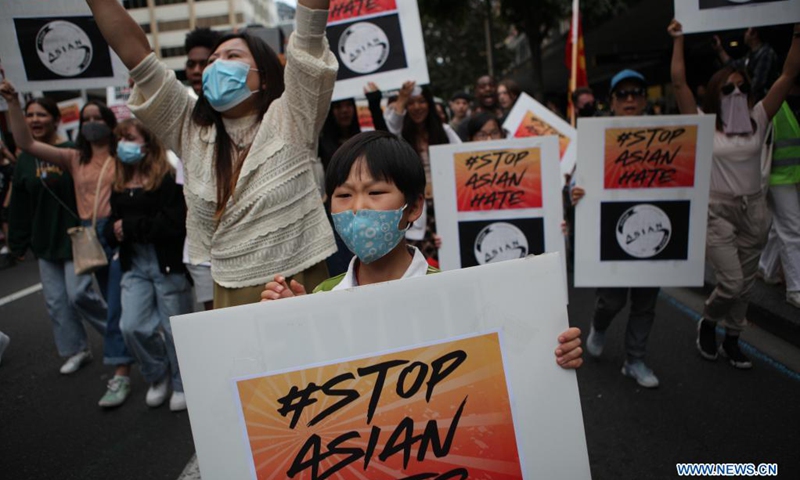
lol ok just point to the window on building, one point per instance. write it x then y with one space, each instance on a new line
173 25
172 52
212 21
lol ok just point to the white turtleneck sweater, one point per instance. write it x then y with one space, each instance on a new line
274 222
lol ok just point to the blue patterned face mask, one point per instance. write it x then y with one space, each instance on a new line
225 84
370 234
129 152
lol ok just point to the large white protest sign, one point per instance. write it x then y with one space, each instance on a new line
497 200
530 118
55 46
450 373
643 219
715 15
376 41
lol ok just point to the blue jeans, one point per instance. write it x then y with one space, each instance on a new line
114 350
610 301
149 298
70 298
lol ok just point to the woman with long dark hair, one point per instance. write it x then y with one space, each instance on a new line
738 218
413 116
248 144
84 163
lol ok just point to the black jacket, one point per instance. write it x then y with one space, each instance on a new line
157 217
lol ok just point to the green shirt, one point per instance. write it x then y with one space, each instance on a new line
330 284
36 219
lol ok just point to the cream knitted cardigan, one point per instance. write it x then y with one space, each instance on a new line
275 222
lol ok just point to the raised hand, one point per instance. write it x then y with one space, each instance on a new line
675 29
8 92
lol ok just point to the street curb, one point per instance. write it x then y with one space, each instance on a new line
768 309
748 348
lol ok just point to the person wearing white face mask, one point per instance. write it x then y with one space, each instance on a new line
738 218
247 145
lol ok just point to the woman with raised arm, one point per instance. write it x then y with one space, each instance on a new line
413 116
738 218
92 167
248 147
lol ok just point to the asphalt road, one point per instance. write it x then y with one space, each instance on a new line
51 427
50 424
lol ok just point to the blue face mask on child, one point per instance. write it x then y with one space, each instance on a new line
129 152
370 234
225 84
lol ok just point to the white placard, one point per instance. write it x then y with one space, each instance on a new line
55 46
496 200
715 15
643 219
530 118
376 41
117 101
70 117
517 299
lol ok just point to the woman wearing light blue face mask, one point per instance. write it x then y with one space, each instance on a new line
147 223
92 167
738 218
248 146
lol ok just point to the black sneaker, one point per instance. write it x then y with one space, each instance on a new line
707 339
730 350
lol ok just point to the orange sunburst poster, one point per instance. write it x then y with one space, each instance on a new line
437 411
501 179
650 157
533 126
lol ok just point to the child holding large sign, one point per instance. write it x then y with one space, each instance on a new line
376 186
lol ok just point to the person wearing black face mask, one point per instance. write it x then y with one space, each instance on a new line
584 103
93 169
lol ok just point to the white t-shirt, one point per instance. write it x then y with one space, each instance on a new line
418 268
736 168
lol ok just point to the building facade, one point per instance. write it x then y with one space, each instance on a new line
166 22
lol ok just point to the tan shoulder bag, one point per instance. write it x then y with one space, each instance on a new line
87 252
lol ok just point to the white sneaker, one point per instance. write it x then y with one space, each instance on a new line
640 372
595 342
76 361
177 402
792 298
157 393
4 341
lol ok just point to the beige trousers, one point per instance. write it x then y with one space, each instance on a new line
232 297
737 232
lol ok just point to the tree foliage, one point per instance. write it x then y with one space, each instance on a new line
455 39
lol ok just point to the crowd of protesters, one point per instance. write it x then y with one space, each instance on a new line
221 187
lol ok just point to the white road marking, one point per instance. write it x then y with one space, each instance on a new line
192 470
22 293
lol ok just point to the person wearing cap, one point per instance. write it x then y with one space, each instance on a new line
628 98
738 215
459 105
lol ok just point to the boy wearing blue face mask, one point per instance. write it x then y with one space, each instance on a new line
376 185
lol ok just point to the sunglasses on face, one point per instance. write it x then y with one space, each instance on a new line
728 88
633 92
